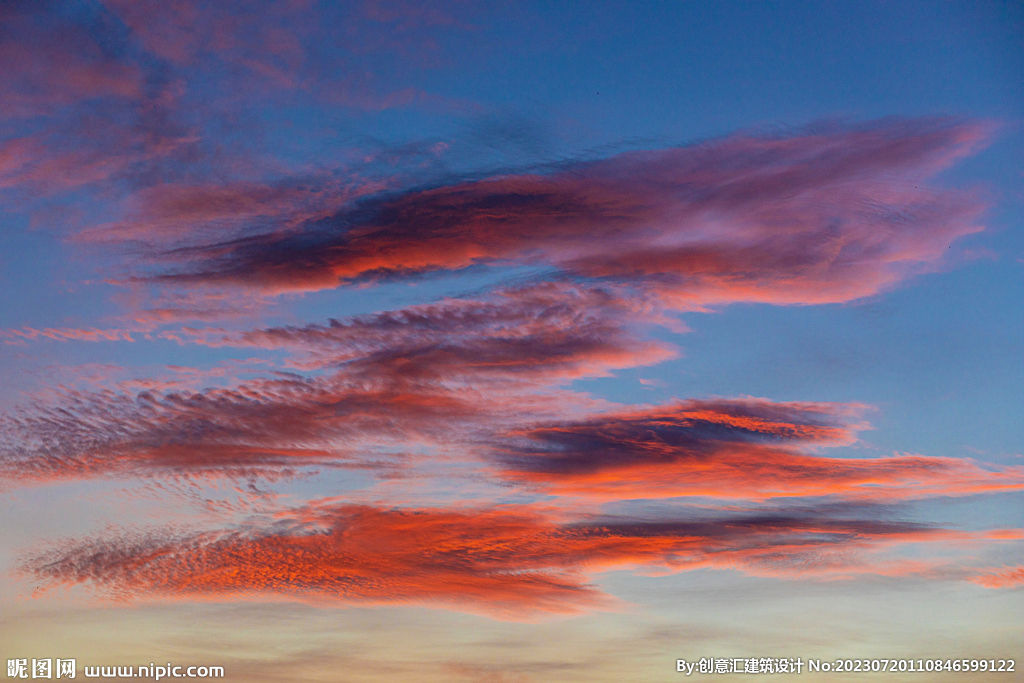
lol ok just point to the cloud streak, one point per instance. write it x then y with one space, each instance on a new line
473 378
56 58
450 370
750 449
262 427
546 332
1012 577
812 217
511 563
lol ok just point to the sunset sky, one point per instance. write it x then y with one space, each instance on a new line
511 342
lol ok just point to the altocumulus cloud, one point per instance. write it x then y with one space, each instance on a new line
424 374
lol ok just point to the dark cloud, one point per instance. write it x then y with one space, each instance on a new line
813 217
736 448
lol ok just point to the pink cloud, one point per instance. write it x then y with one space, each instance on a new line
549 331
433 374
170 213
816 217
1012 577
253 33
65 334
51 62
272 48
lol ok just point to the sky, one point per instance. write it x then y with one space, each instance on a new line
510 342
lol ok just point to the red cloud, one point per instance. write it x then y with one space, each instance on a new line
510 563
745 449
446 371
459 371
812 218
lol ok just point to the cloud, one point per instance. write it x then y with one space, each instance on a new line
473 378
1012 577
184 32
546 332
750 449
19 336
54 58
81 154
435 374
167 213
253 49
113 97
819 216
511 563
261 427
80 104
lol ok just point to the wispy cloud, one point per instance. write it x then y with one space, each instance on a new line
750 449
548 332
1011 577
262 427
19 336
619 245
254 48
170 213
511 563
450 370
144 102
811 217
60 56
479 379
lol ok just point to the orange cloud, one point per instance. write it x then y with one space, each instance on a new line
810 218
750 449
1012 577
506 562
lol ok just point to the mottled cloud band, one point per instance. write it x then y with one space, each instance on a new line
506 562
